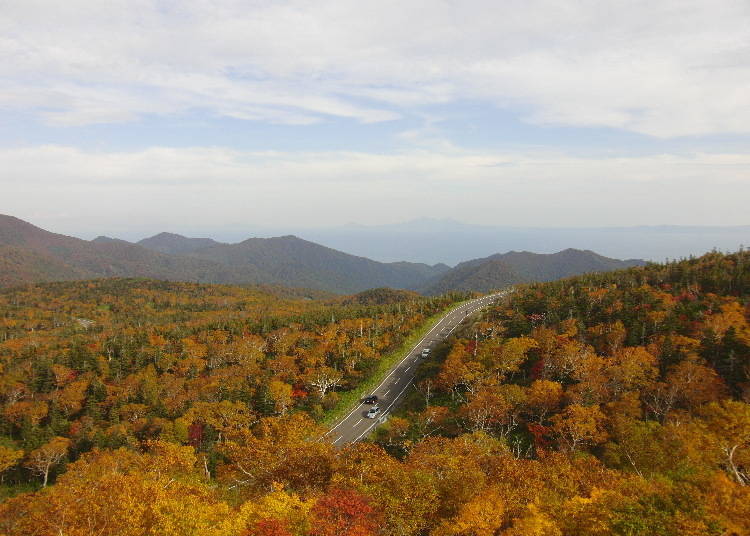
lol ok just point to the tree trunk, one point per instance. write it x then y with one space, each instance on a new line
730 459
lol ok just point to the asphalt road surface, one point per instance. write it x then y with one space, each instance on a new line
356 425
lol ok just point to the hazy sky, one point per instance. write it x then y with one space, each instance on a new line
166 115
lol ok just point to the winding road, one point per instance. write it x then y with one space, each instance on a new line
355 425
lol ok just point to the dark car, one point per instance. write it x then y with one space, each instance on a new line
372 399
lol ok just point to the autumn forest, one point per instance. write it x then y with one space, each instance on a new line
602 404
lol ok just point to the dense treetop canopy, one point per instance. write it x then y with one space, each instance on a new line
601 404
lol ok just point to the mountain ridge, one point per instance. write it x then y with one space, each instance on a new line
515 267
105 257
292 258
32 254
175 244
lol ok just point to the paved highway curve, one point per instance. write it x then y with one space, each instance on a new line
355 425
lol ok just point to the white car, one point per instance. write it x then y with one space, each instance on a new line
373 412
425 352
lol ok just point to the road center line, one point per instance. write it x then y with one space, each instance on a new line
384 412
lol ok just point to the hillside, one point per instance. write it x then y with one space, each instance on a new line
480 277
73 258
298 262
505 269
31 254
20 266
605 404
381 296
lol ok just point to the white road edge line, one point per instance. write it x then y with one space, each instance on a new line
389 407
383 414
421 342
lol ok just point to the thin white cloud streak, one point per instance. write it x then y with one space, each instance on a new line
663 68
212 186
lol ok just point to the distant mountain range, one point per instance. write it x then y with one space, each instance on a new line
30 254
451 242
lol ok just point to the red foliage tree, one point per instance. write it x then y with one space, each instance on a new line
195 434
540 436
269 527
343 512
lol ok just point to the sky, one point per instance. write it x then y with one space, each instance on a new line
132 117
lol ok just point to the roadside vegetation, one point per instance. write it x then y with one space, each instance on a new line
350 398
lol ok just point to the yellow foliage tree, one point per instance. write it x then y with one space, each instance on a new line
9 458
533 523
483 515
288 508
580 425
281 394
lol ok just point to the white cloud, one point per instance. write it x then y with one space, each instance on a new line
663 68
163 187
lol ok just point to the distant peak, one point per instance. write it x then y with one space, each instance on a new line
168 235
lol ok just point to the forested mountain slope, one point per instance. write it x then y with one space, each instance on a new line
73 258
506 269
119 362
20 265
475 277
32 254
301 263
